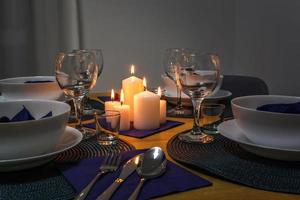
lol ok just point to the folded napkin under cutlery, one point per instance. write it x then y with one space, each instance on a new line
291 108
23 115
175 179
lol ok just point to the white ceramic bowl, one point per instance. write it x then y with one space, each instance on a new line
16 88
271 129
33 137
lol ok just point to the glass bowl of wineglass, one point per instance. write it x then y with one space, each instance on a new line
198 79
87 107
174 57
76 73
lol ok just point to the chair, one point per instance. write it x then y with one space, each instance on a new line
242 86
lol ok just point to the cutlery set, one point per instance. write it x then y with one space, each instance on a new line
150 164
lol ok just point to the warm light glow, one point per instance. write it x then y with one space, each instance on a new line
122 97
137 159
132 69
112 96
144 83
159 91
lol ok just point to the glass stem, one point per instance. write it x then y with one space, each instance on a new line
179 103
79 110
85 101
197 113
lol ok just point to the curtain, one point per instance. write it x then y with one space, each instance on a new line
32 32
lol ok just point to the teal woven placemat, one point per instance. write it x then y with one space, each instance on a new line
226 159
46 182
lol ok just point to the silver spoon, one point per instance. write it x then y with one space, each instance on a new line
153 164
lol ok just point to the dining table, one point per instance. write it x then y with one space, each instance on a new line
220 189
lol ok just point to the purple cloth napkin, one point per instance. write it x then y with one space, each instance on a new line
292 108
104 98
23 115
45 81
144 133
175 179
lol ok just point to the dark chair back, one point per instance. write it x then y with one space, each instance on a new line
242 86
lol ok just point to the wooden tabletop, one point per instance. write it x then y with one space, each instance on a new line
221 189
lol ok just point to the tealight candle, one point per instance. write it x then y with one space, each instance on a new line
125 114
163 108
131 86
109 105
146 111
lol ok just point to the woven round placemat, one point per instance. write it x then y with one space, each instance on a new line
46 181
226 159
90 148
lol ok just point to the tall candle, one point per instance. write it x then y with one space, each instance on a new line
109 105
146 111
125 114
131 86
163 108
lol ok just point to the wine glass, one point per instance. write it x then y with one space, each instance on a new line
87 108
174 57
198 79
76 73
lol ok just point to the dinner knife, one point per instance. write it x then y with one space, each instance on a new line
127 169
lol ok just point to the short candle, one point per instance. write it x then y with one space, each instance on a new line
109 105
124 112
146 111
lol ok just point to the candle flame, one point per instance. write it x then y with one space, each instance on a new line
122 97
144 83
159 91
112 96
132 69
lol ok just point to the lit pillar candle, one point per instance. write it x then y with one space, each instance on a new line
131 86
146 111
163 108
125 114
109 105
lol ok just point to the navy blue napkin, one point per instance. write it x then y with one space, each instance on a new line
23 115
143 133
45 81
292 108
103 99
175 179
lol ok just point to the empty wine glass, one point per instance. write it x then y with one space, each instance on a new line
198 80
174 57
76 73
87 108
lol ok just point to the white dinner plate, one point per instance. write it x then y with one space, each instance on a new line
70 138
2 98
230 130
221 94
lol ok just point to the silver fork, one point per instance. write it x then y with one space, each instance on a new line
110 164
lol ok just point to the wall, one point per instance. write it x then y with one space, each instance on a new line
253 37
137 32
268 44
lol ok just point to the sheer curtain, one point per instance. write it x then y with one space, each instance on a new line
32 32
